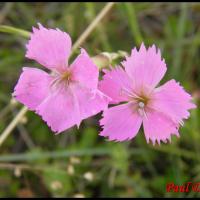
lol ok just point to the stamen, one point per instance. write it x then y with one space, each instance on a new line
54 82
141 112
141 104
145 115
141 109
61 78
131 93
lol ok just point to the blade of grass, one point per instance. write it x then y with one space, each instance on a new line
133 23
181 29
54 154
94 151
176 151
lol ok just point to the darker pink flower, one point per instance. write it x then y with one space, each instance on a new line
68 94
161 110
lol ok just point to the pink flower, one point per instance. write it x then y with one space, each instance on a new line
68 94
161 109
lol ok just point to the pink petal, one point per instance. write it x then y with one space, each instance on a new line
120 122
50 47
66 107
116 84
158 127
172 100
85 71
32 87
59 110
90 102
145 67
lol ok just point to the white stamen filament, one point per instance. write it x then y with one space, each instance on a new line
141 110
55 82
141 104
131 93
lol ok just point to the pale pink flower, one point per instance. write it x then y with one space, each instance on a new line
68 94
161 110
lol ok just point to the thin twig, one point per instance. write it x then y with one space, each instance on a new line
23 132
16 166
79 41
93 25
54 154
12 125
4 111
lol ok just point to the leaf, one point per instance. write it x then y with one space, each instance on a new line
57 181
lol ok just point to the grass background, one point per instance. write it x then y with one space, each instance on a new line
36 163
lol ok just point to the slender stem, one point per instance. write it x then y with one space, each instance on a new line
103 39
12 30
80 40
5 110
12 125
32 156
23 132
16 166
93 25
26 167
54 154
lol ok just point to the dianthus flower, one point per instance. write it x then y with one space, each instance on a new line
161 110
66 95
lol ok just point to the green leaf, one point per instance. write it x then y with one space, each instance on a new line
57 181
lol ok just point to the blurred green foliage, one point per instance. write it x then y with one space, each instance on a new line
45 165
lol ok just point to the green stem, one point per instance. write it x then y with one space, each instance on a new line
12 30
91 152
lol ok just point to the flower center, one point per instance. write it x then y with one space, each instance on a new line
66 76
65 79
142 100
142 103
